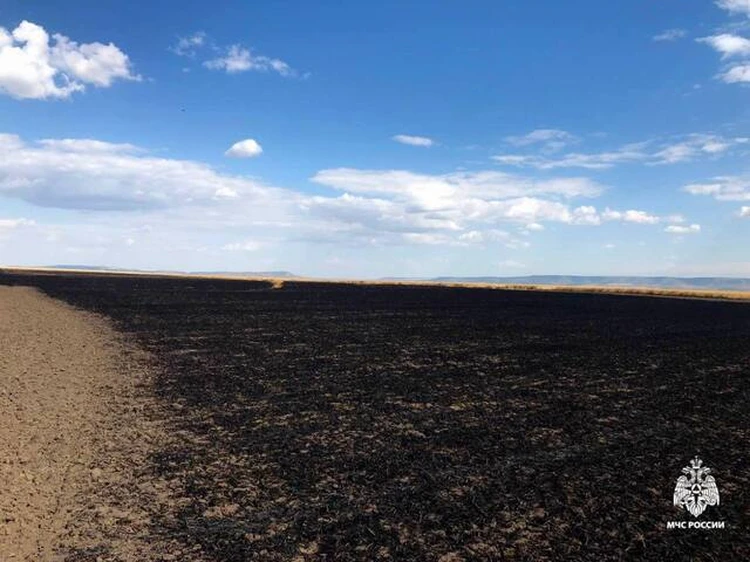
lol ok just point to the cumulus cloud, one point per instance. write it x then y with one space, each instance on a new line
413 140
32 68
635 216
92 63
737 74
745 211
248 148
683 149
367 207
467 203
670 35
240 59
676 229
731 46
728 45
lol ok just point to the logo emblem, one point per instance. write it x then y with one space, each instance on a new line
696 488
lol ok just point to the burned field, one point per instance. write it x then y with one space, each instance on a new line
355 422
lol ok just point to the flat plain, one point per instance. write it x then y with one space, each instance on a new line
393 422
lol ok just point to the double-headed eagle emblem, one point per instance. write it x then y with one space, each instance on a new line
696 489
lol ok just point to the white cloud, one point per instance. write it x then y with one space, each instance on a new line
472 236
466 203
735 6
413 140
31 68
88 174
232 59
516 159
88 145
432 238
597 161
378 215
694 146
737 74
248 148
692 229
586 214
551 140
225 192
92 63
188 46
540 136
635 216
192 200
240 59
728 45
687 148
440 191
524 210
670 35
745 211
723 188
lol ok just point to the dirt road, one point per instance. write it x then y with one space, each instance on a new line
73 435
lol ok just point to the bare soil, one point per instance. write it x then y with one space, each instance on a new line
75 433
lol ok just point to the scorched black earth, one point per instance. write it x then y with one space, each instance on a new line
355 422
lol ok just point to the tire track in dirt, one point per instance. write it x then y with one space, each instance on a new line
77 426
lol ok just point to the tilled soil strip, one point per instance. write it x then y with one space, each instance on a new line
76 429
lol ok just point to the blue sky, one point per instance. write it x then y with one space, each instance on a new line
346 139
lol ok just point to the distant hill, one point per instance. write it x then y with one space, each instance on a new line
714 283
663 282
86 267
